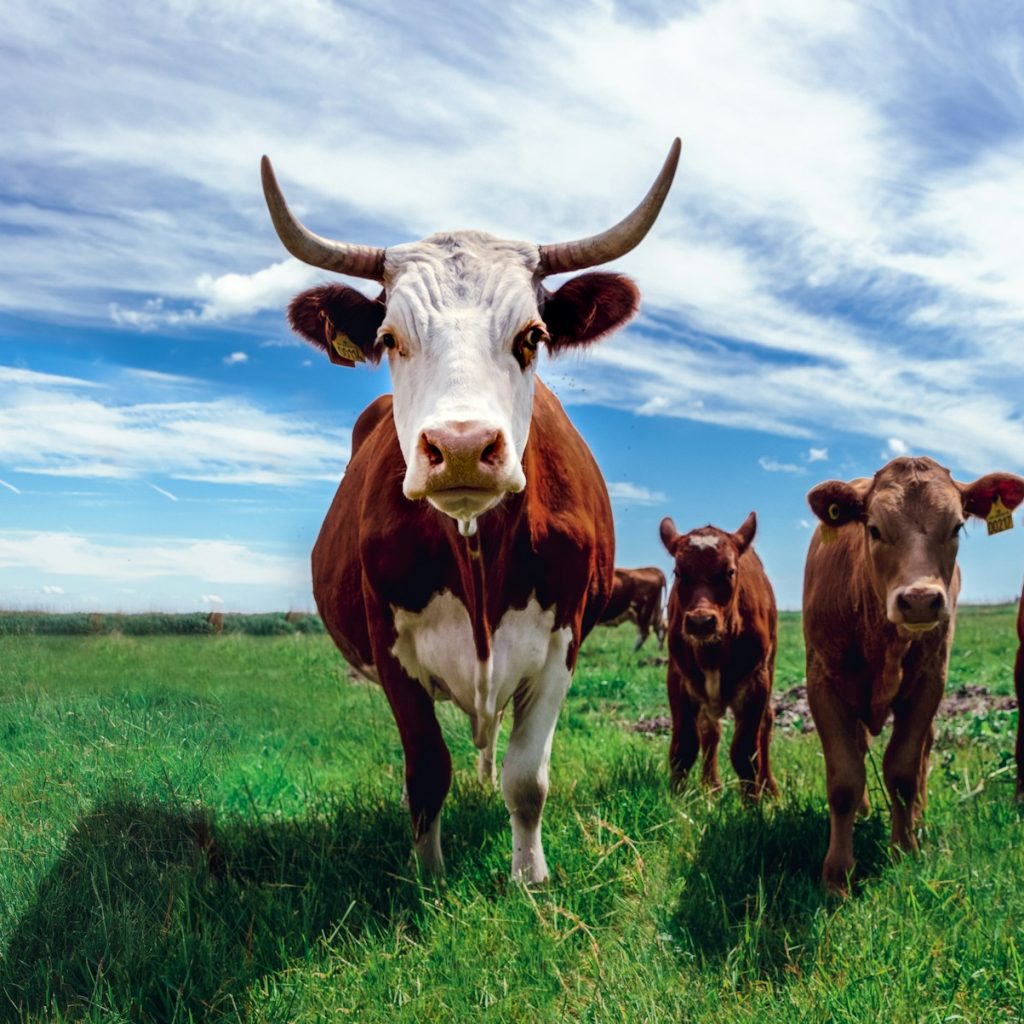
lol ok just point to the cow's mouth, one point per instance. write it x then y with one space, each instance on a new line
465 502
918 628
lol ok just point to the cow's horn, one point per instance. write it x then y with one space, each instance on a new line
617 241
341 257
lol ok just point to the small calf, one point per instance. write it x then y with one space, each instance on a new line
880 593
638 596
722 628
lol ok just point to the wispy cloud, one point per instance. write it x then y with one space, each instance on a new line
235 358
68 428
10 487
160 490
817 455
770 465
634 494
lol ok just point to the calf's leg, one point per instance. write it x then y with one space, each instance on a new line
684 743
1018 680
902 769
709 729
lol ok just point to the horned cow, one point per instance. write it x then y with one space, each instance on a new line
469 548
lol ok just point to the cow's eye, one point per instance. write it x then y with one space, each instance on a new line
731 574
875 532
387 339
957 530
533 337
526 343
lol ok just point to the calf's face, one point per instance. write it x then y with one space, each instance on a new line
706 576
911 513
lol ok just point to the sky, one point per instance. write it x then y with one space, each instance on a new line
836 277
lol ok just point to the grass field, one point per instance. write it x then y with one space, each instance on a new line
209 828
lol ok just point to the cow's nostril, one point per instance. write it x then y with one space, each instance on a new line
902 603
936 602
435 457
490 453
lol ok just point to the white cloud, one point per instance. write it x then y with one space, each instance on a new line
235 359
634 494
770 465
10 487
817 455
51 590
894 446
69 428
138 559
212 599
160 490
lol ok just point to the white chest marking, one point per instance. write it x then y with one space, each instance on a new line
436 646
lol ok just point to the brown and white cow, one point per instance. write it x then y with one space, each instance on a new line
722 640
880 599
638 596
1018 680
469 547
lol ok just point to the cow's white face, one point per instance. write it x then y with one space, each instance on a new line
461 329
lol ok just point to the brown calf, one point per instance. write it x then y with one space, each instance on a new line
638 596
1018 679
722 626
879 606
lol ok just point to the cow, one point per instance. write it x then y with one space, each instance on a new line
1018 681
880 592
215 621
638 596
722 641
469 548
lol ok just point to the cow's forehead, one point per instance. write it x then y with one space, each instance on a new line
915 487
704 551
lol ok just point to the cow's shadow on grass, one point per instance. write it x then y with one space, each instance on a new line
751 895
165 914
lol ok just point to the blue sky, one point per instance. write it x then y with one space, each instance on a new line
836 277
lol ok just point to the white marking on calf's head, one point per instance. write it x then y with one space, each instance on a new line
703 541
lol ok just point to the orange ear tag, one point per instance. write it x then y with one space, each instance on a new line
829 534
999 517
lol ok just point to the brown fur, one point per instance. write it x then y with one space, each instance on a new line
742 653
378 552
638 596
897 527
1018 679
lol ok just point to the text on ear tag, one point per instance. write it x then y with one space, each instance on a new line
347 348
999 517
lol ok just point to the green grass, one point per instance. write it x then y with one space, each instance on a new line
209 828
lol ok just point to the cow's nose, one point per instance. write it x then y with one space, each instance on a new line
463 450
700 623
921 604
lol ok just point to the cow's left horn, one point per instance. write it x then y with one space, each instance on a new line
617 241
341 257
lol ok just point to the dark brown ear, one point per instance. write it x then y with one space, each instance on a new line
744 536
837 503
339 320
978 496
587 307
669 533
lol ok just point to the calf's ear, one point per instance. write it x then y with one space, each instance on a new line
339 320
668 534
979 496
836 502
587 307
744 536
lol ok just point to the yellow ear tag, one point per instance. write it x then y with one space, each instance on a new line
829 534
999 517
347 348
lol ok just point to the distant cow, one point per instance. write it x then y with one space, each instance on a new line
469 547
215 620
722 638
1018 678
879 605
638 596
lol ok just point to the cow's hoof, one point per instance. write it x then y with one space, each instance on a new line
836 878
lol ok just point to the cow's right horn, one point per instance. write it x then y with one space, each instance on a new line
341 257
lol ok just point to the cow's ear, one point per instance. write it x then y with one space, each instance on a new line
669 533
744 536
979 496
341 321
587 307
836 502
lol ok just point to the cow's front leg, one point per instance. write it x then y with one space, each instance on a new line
428 765
709 729
749 750
685 743
845 778
524 772
1018 680
903 768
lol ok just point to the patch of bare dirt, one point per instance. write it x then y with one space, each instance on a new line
793 713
